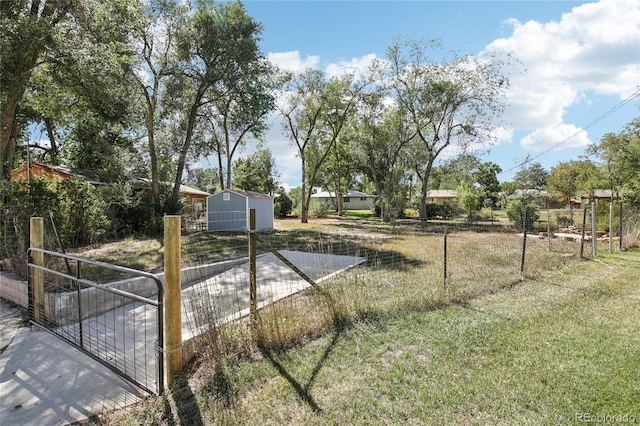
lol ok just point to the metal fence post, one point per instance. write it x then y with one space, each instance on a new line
172 299
549 228
444 279
584 228
594 235
524 240
611 227
620 230
36 296
253 296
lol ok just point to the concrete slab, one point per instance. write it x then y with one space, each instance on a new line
12 320
45 381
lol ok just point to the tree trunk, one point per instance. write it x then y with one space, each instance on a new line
182 159
220 170
7 135
304 204
155 175
423 192
339 197
54 152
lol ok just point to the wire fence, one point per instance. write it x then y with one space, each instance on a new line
361 269
308 279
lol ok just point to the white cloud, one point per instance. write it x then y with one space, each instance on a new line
356 66
592 50
291 61
558 137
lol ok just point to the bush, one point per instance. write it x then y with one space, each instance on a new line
82 209
18 203
602 220
318 209
518 210
283 205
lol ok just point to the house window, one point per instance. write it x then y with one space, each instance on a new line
363 198
226 196
347 199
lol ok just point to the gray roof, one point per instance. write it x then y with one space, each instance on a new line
529 193
441 193
350 193
250 194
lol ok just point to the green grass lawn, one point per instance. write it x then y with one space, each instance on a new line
555 349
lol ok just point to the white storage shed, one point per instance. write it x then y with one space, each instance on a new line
228 210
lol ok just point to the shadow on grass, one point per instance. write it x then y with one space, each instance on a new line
186 407
352 244
303 389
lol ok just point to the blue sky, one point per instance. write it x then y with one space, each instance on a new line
582 59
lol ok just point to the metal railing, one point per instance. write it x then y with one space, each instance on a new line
111 325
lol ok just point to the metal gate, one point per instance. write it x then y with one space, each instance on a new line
118 322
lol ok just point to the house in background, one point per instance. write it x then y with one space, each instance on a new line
540 197
194 199
601 196
228 210
439 196
51 173
353 200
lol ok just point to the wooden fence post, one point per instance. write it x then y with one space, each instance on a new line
253 296
36 240
172 299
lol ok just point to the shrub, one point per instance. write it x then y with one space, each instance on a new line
318 209
518 210
283 205
82 210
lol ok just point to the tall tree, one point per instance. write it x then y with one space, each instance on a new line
156 38
343 95
452 102
301 109
488 185
28 30
216 48
532 176
77 48
620 156
315 112
239 112
570 177
380 136
257 173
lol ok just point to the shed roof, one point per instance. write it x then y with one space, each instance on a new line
250 194
184 189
